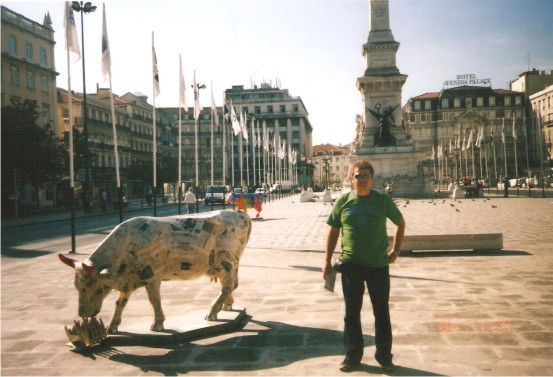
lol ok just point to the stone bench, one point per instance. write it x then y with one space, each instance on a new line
474 241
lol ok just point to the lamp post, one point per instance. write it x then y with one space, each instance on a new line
197 142
326 163
86 8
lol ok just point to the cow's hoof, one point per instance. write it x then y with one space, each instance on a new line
227 308
113 330
157 327
211 317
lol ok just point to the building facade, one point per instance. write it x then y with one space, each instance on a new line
542 119
28 66
286 120
472 131
331 165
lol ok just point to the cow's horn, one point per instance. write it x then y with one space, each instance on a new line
68 261
88 269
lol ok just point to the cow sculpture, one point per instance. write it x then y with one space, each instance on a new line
143 251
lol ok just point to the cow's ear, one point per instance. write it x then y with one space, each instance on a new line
68 261
88 269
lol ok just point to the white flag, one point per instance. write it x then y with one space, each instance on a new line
514 128
182 89
197 106
244 127
71 39
234 120
106 55
213 107
503 132
469 141
433 153
155 71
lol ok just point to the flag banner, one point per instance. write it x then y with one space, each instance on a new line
432 153
213 107
258 141
155 71
503 132
182 89
245 201
71 39
469 141
106 55
234 120
265 137
243 126
514 128
197 107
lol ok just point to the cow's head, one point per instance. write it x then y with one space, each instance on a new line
91 284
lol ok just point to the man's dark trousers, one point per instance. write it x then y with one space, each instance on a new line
354 278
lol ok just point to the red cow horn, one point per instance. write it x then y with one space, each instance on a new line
88 269
68 261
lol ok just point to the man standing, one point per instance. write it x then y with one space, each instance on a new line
361 216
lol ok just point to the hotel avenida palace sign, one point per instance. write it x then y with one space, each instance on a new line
468 79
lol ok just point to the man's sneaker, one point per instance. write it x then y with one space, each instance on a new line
348 366
388 367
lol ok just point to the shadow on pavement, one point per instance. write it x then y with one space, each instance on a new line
254 345
464 253
15 253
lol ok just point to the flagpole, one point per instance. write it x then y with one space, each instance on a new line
525 130
213 114
106 68
254 143
224 143
155 85
182 102
494 160
515 146
504 148
68 30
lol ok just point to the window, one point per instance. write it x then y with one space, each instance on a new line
457 103
30 80
492 101
417 105
480 102
445 104
44 83
468 102
257 109
507 101
518 101
14 75
29 51
12 45
295 108
427 105
282 108
270 108
283 135
45 115
43 56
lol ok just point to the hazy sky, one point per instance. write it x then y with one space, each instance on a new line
312 47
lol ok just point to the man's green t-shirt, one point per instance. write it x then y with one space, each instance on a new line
362 220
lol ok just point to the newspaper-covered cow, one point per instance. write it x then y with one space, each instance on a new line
143 251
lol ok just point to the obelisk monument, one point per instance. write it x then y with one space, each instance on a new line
380 136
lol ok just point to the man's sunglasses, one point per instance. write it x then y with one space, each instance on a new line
362 176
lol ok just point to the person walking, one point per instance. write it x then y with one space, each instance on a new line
190 200
360 216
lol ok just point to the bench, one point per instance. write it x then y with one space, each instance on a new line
474 241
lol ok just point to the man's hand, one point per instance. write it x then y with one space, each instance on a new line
392 256
327 268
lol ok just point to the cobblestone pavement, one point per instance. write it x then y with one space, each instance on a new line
453 313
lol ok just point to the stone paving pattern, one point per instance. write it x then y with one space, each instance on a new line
453 313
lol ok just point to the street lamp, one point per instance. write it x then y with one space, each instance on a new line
197 100
86 8
326 163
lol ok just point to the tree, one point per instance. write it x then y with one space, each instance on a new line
32 150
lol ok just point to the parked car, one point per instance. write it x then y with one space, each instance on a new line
260 190
215 195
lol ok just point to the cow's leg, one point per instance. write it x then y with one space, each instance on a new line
119 306
227 305
228 284
155 299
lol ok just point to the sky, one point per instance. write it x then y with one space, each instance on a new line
313 48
